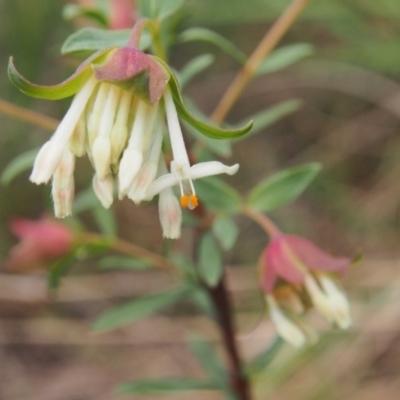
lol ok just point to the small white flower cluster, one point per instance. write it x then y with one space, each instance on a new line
122 136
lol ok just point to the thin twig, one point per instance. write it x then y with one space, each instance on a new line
132 250
262 220
31 117
271 39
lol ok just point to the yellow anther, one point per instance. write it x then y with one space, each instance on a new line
184 201
194 201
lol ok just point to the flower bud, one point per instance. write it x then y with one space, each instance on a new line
104 190
170 214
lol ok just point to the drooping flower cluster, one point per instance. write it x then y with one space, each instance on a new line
296 275
117 119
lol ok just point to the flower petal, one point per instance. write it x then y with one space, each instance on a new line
209 168
313 257
161 183
284 262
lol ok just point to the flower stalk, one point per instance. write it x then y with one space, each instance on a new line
268 43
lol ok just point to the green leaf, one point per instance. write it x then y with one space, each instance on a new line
263 360
123 262
71 11
56 92
160 386
226 231
94 39
212 364
273 114
18 165
105 220
218 195
285 57
139 308
85 200
211 264
58 270
282 188
159 9
194 67
203 127
207 35
220 147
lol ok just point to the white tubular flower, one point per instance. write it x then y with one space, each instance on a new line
132 157
286 328
170 214
319 298
182 173
148 171
104 190
51 153
101 150
63 185
338 301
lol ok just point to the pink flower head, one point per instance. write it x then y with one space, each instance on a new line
295 274
42 241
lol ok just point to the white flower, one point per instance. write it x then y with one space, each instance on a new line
286 328
182 174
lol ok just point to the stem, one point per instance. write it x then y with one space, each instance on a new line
31 117
270 40
132 250
261 219
220 297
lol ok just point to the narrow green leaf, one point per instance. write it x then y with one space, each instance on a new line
222 148
209 360
226 231
138 308
122 262
94 39
159 9
285 57
282 188
194 67
67 88
71 11
263 360
218 195
105 220
207 35
56 92
203 127
160 386
273 114
211 264
18 165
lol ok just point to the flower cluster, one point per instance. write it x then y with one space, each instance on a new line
295 275
122 98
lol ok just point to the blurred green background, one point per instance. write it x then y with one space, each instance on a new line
349 121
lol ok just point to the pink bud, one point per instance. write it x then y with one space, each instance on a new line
41 242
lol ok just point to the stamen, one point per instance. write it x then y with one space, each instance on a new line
194 201
184 200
